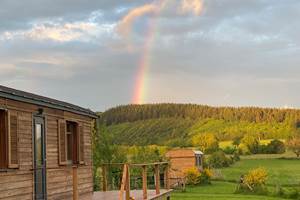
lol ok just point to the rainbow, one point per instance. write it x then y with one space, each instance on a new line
140 86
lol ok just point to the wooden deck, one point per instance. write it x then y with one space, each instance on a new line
137 194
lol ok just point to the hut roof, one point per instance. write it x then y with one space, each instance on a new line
199 152
27 97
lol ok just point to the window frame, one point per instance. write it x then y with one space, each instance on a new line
198 160
5 158
75 143
8 162
12 165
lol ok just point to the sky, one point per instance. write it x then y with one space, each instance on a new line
100 54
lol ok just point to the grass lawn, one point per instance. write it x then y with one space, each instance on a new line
218 190
285 172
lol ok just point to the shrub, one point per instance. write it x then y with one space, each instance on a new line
205 176
252 143
263 149
229 150
192 176
256 177
243 149
236 157
294 145
254 182
237 141
207 142
275 147
179 142
218 160
195 177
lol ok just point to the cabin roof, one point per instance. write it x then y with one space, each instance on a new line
198 152
27 97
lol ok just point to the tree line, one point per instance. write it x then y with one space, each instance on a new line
131 113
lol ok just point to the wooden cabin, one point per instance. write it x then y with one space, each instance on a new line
45 148
181 160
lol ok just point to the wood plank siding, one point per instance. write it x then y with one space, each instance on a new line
17 182
180 161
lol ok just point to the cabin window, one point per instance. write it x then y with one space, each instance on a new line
3 140
198 160
71 143
8 140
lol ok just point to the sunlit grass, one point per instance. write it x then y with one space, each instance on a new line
218 190
281 171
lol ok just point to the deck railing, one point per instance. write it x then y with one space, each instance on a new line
125 182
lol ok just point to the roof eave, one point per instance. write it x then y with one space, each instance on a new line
46 104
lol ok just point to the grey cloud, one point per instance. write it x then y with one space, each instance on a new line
236 53
19 14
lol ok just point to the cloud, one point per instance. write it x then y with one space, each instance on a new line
125 24
183 7
14 16
83 31
194 6
59 47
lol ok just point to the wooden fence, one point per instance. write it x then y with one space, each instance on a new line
125 182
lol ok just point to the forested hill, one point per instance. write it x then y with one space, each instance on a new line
174 123
131 113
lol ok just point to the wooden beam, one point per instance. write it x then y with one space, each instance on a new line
104 176
123 182
167 177
136 164
75 183
157 179
127 183
148 164
145 196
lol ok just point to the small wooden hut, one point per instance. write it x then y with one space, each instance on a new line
45 148
181 160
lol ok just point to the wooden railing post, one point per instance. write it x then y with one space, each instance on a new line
167 177
75 183
127 183
157 180
145 196
104 176
121 195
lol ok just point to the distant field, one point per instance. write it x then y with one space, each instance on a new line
218 191
284 172
224 144
287 154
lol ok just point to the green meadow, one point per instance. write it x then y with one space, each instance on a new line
283 172
218 190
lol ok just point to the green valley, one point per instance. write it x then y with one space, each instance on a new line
175 124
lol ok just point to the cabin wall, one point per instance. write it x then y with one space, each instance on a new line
180 165
18 183
180 161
